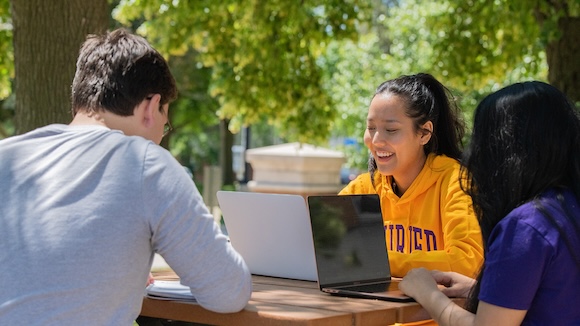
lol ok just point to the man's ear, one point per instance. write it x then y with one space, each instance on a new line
147 108
426 132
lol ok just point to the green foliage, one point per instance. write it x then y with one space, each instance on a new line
476 44
322 77
6 71
263 54
352 71
196 137
7 57
308 69
472 47
484 42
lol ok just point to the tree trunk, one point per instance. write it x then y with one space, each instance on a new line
226 156
47 38
562 57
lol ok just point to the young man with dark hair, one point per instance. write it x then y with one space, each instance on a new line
85 206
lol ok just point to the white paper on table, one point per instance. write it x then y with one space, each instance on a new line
169 290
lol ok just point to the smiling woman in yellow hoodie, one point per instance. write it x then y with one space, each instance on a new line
414 137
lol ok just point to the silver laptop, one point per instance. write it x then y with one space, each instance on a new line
350 248
271 232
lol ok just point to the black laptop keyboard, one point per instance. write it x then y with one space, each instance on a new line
371 288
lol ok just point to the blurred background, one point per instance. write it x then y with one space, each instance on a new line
256 73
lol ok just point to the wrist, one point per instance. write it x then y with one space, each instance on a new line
437 304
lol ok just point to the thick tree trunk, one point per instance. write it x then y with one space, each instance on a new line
563 58
226 155
47 38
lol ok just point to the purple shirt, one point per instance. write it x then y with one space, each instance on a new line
529 267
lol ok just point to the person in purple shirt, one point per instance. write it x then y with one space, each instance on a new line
522 170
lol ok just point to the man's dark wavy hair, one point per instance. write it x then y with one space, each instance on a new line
118 70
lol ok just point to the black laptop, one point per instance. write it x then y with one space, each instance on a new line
350 248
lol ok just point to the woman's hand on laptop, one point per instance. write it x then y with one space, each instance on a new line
454 284
420 281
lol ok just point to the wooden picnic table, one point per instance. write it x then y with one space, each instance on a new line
278 301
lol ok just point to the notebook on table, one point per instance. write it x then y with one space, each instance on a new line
350 249
271 232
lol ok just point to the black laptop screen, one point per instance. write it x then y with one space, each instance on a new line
349 239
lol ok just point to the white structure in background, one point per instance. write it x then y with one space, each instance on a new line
295 168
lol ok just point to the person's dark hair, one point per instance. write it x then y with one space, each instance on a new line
526 139
118 70
428 100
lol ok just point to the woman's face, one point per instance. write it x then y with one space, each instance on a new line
395 144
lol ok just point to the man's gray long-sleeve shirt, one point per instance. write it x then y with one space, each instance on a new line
82 211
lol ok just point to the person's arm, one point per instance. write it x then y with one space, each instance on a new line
185 234
422 286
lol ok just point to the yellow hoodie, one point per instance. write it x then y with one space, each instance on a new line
432 225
